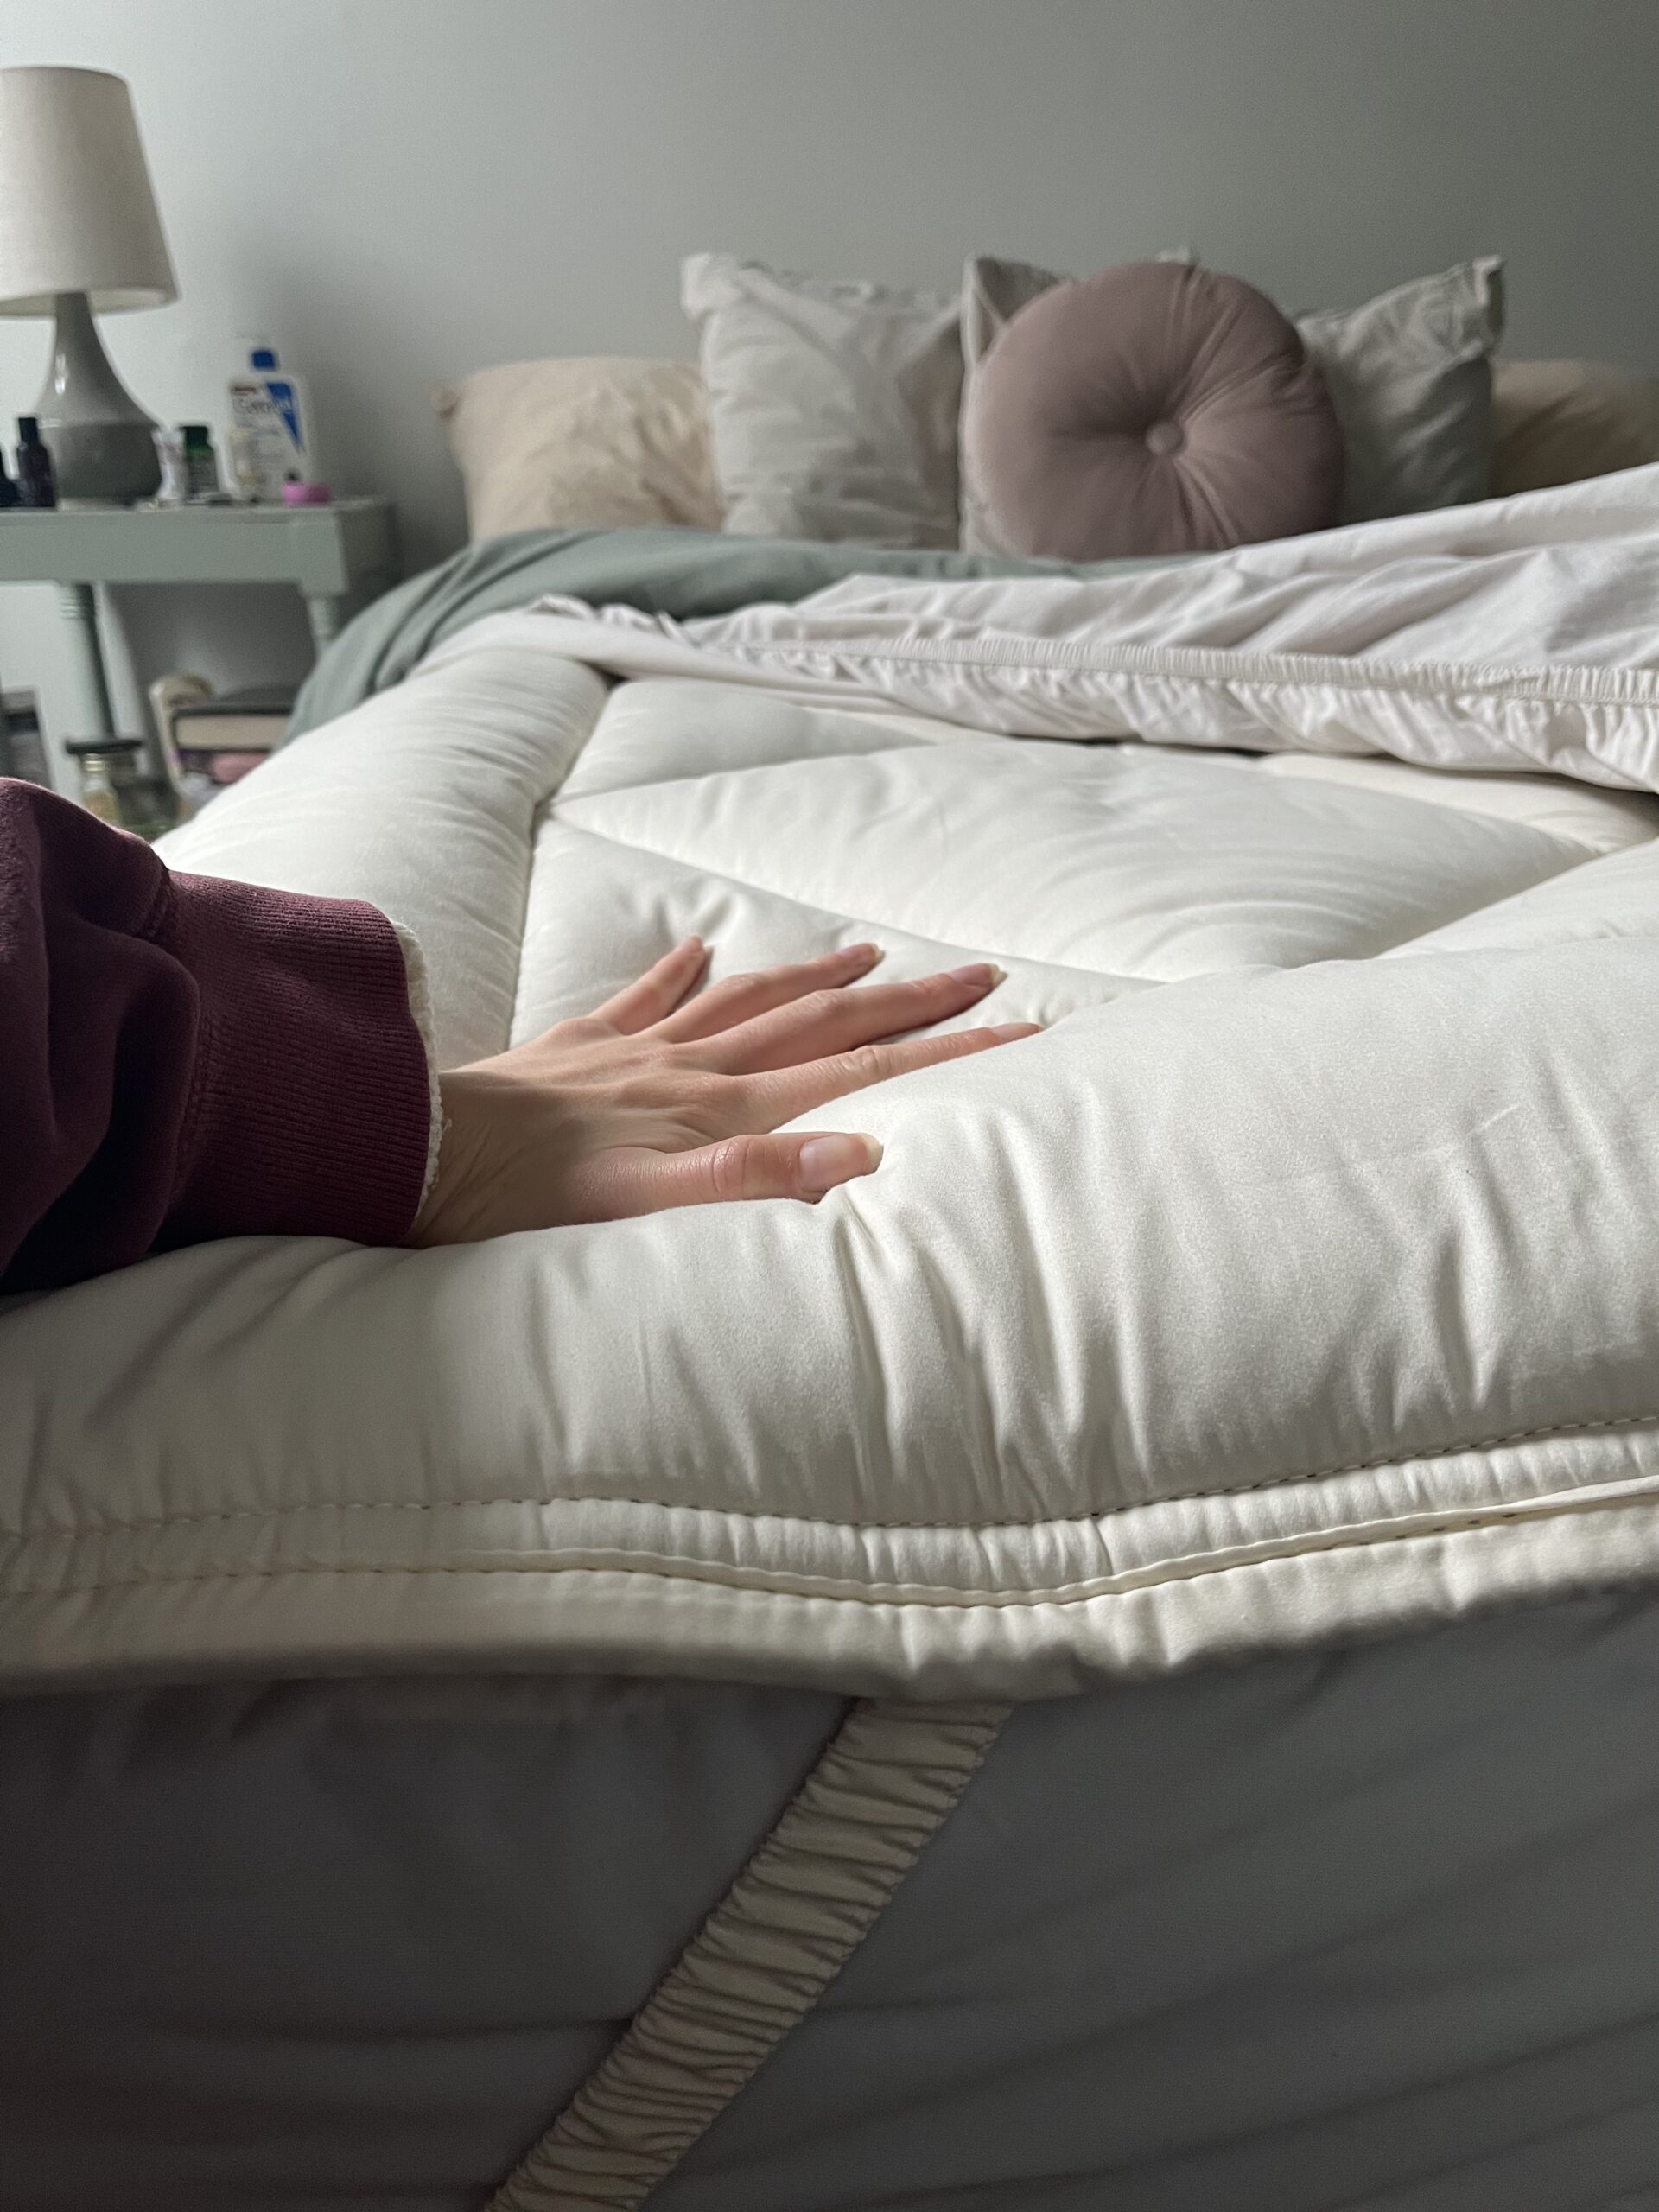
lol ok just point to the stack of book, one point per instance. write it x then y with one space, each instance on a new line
209 740
23 748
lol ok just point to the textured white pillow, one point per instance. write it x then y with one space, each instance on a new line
834 405
599 443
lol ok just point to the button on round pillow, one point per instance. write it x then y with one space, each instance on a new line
1153 408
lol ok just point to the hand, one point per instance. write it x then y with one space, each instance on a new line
660 1099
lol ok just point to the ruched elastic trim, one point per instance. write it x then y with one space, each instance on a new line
790 1922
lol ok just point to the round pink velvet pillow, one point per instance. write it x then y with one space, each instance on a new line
1154 408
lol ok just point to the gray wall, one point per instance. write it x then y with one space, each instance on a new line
400 190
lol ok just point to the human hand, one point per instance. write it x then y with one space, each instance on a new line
659 1099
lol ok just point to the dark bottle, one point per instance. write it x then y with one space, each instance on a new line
201 461
37 484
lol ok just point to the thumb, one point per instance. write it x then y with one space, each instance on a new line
638 1181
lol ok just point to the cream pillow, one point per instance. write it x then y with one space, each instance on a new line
598 443
1560 421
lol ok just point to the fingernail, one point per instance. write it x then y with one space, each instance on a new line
1006 1032
873 953
691 944
826 1162
982 972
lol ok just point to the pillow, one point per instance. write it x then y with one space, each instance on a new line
833 405
1408 373
993 293
1154 408
1559 421
1410 376
600 443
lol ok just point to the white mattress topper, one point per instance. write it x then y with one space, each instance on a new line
1299 1280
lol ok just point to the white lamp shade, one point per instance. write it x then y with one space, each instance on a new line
77 213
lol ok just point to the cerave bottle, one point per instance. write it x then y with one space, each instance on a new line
274 409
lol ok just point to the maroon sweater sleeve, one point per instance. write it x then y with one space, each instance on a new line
183 1057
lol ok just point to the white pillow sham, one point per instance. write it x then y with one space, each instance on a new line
833 406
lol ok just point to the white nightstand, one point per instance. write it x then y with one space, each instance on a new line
328 554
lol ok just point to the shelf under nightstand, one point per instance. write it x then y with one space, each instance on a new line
327 554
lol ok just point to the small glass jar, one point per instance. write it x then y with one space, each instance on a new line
244 451
201 461
112 789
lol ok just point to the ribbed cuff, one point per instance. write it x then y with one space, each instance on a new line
420 1005
310 1112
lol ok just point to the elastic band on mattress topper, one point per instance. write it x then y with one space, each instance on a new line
885 1784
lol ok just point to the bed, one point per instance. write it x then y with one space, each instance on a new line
1111 1664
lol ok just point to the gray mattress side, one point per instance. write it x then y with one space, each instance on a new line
1375 1929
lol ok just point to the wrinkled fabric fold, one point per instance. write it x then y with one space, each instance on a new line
788 1924
1516 636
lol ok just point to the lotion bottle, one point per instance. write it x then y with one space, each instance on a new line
274 409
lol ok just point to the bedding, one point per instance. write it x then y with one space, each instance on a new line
1199 1419
1257 1362
833 406
993 292
1409 373
560 444
1151 410
646 458
1410 376
682 573
1559 421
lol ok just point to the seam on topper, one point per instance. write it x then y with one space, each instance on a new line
1587 846
1582 846
1564 680
140 1525
671 782
710 1573
1578 854
841 918
541 811
1583 858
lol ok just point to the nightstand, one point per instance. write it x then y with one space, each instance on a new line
328 554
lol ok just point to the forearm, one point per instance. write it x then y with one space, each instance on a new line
183 1059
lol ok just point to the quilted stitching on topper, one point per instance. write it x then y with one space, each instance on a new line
778 831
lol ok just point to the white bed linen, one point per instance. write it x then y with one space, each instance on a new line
1299 1280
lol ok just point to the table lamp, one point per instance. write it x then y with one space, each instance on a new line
79 230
